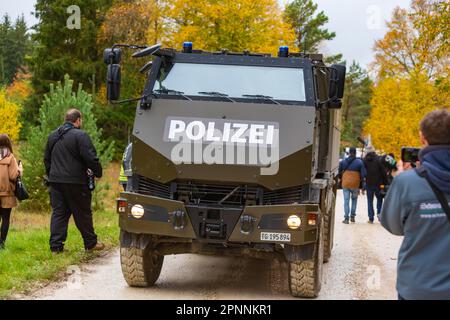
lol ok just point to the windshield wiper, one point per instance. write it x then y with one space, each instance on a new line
216 94
170 91
261 97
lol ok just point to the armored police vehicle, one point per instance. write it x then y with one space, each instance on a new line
232 154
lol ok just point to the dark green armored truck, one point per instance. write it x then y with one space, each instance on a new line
232 154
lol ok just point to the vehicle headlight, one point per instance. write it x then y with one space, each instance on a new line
294 222
137 211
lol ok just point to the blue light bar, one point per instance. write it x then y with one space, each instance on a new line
283 51
187 47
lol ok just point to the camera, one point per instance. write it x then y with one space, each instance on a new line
91 180
410 154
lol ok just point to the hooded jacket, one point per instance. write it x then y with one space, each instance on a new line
69 154
375 172
9 171
412 210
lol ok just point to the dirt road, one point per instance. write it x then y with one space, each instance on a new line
363 266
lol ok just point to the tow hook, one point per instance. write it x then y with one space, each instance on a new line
178 219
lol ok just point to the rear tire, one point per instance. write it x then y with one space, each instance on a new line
141 267
305 277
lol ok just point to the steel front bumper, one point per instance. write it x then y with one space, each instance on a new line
253 224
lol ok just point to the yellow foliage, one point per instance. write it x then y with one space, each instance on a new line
19 90
236 25
417 41
398 105
9 116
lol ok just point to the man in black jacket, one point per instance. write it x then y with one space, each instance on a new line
375 178
69 155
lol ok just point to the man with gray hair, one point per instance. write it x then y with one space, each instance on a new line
69 156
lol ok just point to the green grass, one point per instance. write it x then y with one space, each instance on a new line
27 258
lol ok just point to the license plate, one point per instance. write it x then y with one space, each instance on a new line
275 236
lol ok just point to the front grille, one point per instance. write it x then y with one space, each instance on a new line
230 195
153 188
284 196
221 194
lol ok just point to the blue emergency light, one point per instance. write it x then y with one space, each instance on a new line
283 51
187 47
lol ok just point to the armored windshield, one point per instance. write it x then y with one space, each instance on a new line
234 81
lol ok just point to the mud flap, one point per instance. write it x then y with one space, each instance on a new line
299 253
133 240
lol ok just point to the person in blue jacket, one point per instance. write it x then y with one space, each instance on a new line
353 174
412 209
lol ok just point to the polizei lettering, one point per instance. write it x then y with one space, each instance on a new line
220 130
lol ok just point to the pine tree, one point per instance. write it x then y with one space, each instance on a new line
308 25
60 50
356 103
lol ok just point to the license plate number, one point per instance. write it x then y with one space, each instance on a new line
275 236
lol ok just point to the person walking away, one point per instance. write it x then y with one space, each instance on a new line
416 207
352 173
69 155
125 168
9 171
375 178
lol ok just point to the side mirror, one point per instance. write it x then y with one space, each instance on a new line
113 80
337 82
111 57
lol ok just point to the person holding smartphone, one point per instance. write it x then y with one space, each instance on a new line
416 207
9 171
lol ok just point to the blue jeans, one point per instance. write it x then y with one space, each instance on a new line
353 193
371 192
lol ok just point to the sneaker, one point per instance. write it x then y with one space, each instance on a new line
2 245
98 247
378 217
345 221
352 219
370 221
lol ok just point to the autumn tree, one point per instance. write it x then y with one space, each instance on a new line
417 42
236 25
9 115
398 106
412 64
132 22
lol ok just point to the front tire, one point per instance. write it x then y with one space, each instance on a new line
305 277
141 267
328 220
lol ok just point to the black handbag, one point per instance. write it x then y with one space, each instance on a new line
21 192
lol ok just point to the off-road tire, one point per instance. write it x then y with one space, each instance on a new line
305 277
328 220
140 267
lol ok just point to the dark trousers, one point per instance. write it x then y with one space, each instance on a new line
371 192
5 215
68 199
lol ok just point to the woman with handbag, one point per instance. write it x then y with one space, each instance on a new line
9 172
